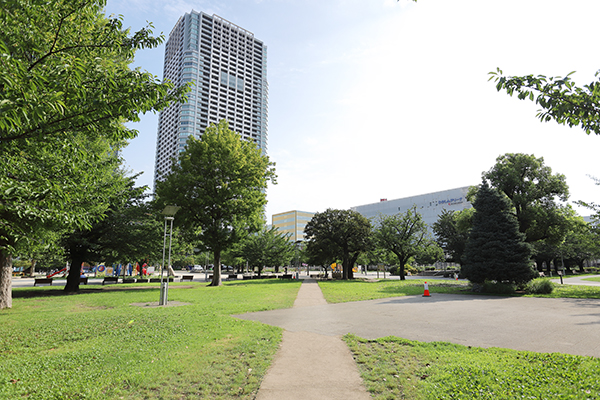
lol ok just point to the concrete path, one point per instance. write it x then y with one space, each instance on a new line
543 325
577 280
309 365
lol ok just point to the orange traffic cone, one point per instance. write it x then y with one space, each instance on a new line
426 294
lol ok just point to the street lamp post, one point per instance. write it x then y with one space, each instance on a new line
169 213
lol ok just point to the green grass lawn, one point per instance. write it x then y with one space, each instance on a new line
394 368
98 346
594 279
357 290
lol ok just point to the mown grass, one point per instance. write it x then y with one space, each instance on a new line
394 368
357 290
594 279
98 346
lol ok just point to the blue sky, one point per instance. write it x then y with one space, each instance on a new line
373 99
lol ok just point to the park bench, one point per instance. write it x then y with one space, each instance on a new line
83 280
42 281
286 276
232 276
188 278
110 279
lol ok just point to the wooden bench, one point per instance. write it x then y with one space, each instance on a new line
286 276
83 280
42 281
232 276
110 279
188 278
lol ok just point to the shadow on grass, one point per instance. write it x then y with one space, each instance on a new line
57 291
269 281
29 293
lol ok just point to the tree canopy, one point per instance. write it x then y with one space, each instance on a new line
403 234
219 181
451 232
267 248
65 91
559 98
536 193
338 235
129 232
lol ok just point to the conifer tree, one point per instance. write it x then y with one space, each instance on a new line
496 250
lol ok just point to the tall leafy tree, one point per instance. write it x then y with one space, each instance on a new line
537 194
580 244
338 234
129 232
451 232
496 250
403 234
559 98
65 91
267 248
219 182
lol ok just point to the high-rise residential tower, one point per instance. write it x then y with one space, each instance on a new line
228 68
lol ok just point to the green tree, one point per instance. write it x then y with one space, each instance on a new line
451 232
338 235
559 98
535 192
403 234
496 250
183 253
128 232
65 91
219 182
430 253
580 244
267 248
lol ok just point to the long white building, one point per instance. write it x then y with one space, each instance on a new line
228 68
429 205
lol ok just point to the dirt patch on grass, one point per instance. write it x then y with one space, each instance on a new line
154 304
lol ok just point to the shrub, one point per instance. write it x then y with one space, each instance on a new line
494 287
539 286
395 270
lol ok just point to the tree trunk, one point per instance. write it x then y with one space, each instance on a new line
72 285
401 266
32 268
5 280
216 280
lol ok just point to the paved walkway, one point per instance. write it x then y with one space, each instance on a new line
310 365
523 323
577 280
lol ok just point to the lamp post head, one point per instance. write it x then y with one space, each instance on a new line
170 211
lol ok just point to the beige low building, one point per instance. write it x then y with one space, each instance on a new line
292 223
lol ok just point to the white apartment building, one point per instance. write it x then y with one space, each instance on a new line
228 68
